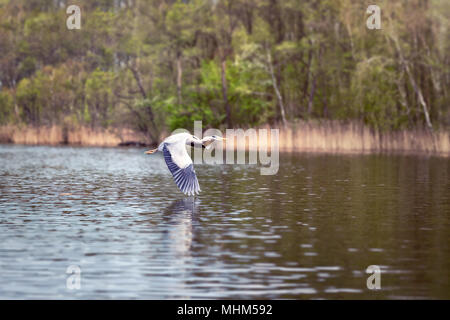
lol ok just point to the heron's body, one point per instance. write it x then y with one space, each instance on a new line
179 162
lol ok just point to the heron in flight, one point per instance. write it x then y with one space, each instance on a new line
179 162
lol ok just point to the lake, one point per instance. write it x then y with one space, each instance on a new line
308 232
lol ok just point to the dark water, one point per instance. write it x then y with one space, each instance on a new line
309 232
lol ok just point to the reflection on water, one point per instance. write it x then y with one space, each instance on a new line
308 232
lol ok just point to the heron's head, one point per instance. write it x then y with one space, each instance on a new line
208 140
217 138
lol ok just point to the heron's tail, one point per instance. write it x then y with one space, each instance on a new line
151 151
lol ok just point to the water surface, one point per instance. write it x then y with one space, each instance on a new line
308 232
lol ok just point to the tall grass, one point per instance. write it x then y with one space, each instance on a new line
323 136
339 136
56 135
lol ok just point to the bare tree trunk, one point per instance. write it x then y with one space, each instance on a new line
311 93
325 106
179 78
138 79
403 100
434 78
225 93
420 97
275 87
416 88
148 108
307 79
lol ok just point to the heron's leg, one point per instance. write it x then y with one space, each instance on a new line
151 151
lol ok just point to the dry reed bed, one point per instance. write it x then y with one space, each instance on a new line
324 136
56 135
334 136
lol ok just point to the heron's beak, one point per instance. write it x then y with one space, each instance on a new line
150 151
223 138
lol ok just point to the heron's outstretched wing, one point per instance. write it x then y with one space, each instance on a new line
181 167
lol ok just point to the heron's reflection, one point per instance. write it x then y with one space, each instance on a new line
181 216
183 206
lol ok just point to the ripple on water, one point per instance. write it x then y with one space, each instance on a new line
309 232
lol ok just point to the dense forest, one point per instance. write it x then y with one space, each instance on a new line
154 65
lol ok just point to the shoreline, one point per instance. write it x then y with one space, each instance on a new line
331 136
282 151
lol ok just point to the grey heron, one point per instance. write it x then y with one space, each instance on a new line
178 160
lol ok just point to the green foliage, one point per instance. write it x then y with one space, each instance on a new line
156 65
205 103
374 90
29 97
98 97
6 108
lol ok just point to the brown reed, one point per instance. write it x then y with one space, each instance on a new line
317 136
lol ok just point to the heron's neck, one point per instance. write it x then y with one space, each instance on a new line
194 142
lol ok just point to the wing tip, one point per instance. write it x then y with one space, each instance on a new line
186 180
191 192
